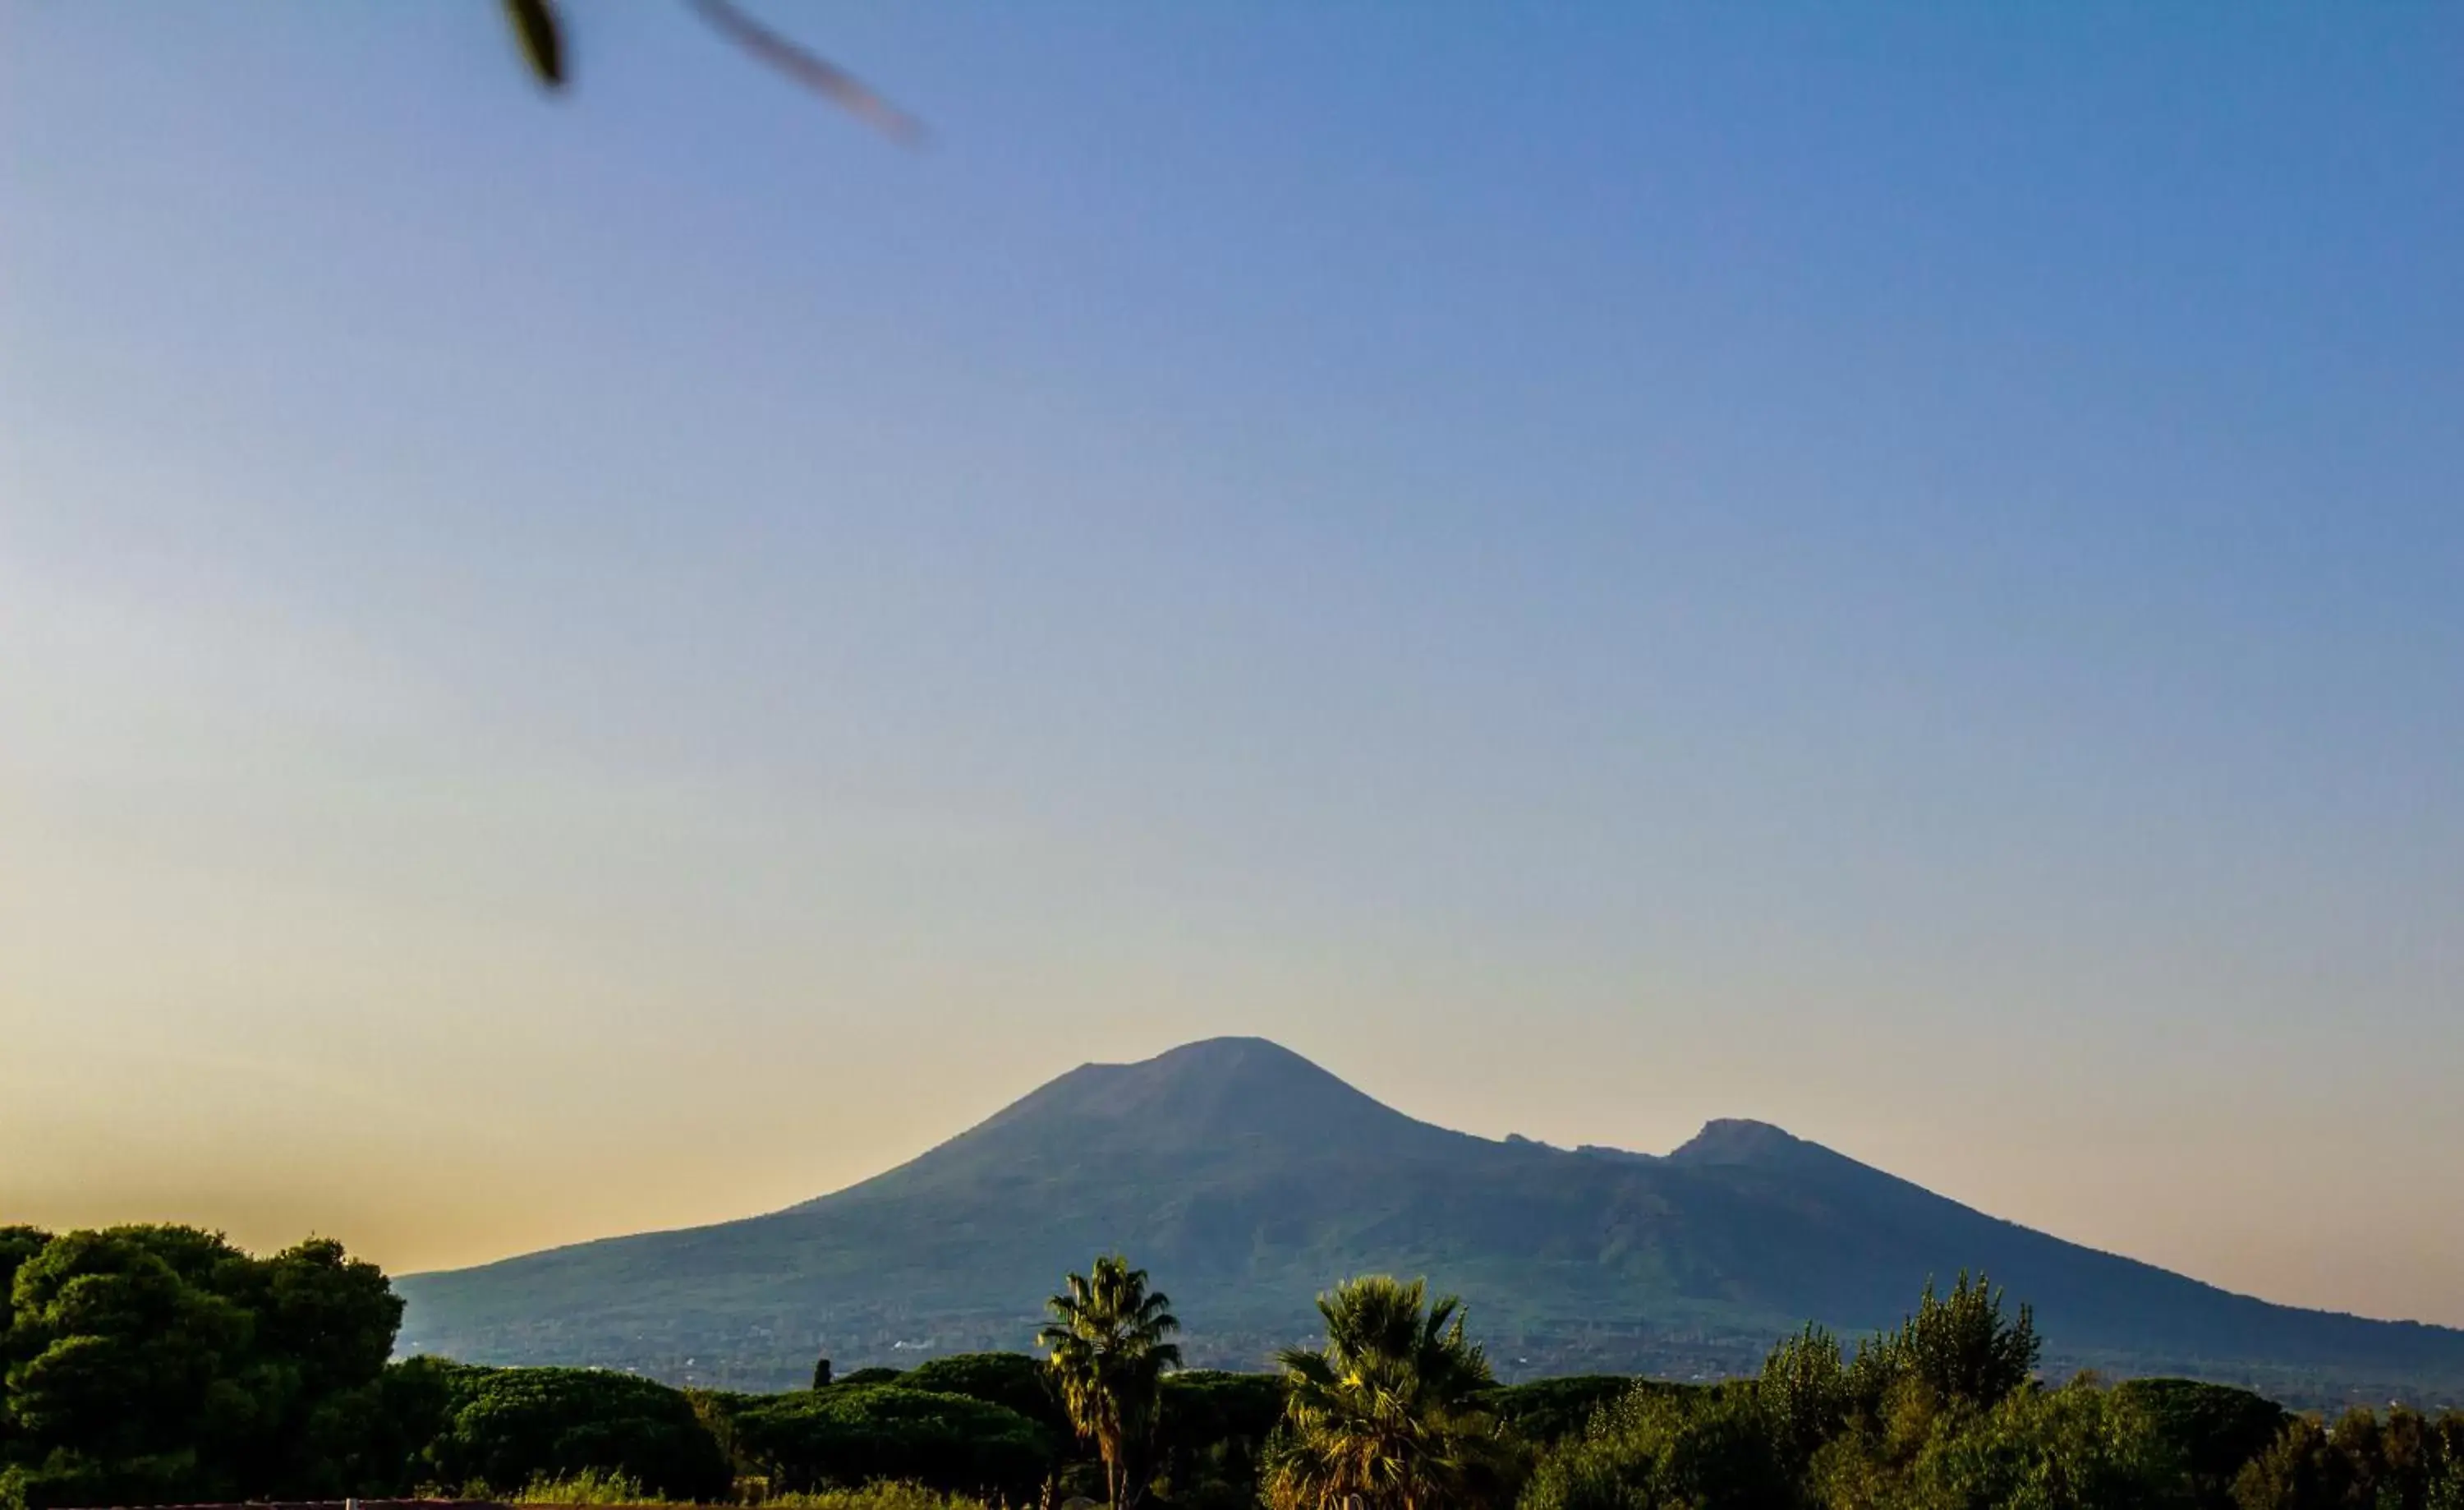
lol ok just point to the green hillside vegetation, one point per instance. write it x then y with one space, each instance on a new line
1250 1175
161 1366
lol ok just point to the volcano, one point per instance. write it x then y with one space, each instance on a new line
1247 1179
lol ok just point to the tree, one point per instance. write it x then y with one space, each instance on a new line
1959 1350
1108 1354
1215 1425
1804 1389
2214 1428
505 1427
153 1362
2076 1448
2300 1470
2402 1461
17 1244
1542 1412
125 1362
822 1373
1700 1449
1384 1417
856 1434
1020 1382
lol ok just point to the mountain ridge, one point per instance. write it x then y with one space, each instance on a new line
1248 1179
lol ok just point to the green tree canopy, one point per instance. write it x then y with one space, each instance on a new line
1212 1431
503 1428
145 1362
1016 1381
1545 1412
2402 1461
2076 1448
1656 1448
2213 1429
854 1434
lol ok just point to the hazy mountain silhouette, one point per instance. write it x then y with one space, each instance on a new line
1248 1179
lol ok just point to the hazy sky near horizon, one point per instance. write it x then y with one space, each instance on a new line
568 666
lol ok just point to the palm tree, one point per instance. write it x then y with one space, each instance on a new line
1383 1418
1109 1357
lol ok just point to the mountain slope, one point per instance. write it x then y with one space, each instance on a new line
1248 1179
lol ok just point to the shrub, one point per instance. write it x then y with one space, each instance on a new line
889 1493
589 1487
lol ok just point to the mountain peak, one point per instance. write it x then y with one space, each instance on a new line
1213 1092
1739 1140
1231 1053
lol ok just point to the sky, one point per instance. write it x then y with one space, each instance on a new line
573 665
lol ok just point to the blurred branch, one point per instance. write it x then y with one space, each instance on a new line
542 43
814 72
543 39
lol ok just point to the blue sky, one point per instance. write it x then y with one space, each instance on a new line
1890 569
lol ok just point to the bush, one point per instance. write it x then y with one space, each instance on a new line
847 1435
588 1487
884 1494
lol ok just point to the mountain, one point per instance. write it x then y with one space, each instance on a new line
1248 1180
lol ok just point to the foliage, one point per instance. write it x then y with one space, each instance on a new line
159 1364
1017 1381
849 1435
1938 1414
1804 1389
889 1493
1545 1412
1957 1350
2213 1428
1384 1417
1109 1355
2405 1461
17 1244
1706 1450
507 1428
1214 1427
2076 1448
156 1363
592 1486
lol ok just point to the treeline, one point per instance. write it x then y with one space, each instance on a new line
159 1365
